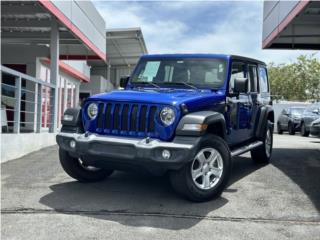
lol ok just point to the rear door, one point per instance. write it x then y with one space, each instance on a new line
310 116
253 95
283 119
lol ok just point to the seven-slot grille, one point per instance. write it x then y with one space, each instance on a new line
127 119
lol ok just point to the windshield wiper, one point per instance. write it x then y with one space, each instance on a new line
190 85
147 83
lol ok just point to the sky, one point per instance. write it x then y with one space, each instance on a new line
228 27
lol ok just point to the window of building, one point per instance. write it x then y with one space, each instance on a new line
67 89
70 94
45 107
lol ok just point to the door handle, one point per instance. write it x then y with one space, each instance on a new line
257 103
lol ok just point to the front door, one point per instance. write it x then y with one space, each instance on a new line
239 108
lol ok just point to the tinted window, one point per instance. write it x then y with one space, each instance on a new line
238 71
263 79
253 78
314 107
297 111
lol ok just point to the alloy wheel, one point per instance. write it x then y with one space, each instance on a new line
207 168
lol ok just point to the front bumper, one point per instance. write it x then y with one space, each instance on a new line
120 152
297 124
315 130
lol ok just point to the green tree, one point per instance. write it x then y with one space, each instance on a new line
299 80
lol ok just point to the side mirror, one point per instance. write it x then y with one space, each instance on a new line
241 85
316 111
124 81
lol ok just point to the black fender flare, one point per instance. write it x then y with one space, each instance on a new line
75 124
265 113
202 117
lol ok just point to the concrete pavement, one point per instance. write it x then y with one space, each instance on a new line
276 201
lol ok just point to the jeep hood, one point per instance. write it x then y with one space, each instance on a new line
163 96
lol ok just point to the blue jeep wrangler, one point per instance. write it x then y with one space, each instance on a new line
186 114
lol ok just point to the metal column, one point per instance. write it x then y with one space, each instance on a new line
109 72
77 95
17 106
54 73
39 107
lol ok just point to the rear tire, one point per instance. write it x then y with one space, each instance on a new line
304 131
291 128
262 154
76 169
279 128
201 180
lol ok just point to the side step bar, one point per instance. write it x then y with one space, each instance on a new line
245 148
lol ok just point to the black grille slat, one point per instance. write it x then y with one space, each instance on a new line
116 117
142 124
108 116
100 116
133 120
152 113
125 116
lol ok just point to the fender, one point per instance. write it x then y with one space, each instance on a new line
72 123
263 118
203 117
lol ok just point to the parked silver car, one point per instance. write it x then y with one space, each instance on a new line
309 115
290 120
315 127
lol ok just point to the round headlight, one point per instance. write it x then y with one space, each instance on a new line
92 110
167 116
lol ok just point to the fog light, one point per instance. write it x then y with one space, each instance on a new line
166 154
67 117
72 143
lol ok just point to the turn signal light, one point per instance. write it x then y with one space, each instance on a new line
194 127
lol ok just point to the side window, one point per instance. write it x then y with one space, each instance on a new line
314 107
263 80
309 109
238 71
253 78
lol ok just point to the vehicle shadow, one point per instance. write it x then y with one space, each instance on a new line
302 166
124 196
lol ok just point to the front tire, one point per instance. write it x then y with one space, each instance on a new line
279 128
262 154
206 176
76 169
291 128
304 131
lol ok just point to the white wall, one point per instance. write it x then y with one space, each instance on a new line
86 17
97 84
273 14
18 145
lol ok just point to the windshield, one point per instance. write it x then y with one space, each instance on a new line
190 73
297 111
